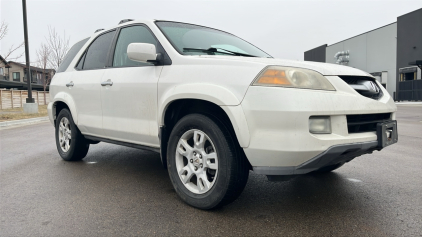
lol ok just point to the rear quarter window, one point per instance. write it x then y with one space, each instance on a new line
71 55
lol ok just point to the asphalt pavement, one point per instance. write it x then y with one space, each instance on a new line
120 191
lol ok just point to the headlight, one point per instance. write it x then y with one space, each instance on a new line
292 77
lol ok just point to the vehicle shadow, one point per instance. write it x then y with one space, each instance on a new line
306 204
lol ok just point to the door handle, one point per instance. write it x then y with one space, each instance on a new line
107 83
70 84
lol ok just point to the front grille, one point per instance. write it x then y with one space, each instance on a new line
365 122
351 80
366 86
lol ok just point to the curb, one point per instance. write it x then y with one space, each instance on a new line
23 121
409 103
414 103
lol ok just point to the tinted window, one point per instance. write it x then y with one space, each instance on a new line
96 56
133 34
81 62
71 54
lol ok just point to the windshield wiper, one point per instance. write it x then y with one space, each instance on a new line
209 50
237 53
214 50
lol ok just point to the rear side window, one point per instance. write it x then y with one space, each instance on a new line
70 55
132 34
96 55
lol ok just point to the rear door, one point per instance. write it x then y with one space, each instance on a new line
129 92
85 84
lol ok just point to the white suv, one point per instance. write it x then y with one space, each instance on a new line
214 106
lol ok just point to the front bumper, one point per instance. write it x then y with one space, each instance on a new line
50 112
278 120
333 155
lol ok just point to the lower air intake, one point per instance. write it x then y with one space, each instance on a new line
357 123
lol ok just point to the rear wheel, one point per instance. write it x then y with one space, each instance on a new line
206 167
71 144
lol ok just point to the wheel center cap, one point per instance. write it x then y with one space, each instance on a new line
196 161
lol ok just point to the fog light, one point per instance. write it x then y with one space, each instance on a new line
320 125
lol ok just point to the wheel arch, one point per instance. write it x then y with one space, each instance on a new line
231 116
63 100
207 92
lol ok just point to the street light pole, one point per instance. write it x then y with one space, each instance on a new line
28 66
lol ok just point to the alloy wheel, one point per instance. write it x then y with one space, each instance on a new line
64 134
196 161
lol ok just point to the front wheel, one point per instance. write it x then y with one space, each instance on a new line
205 164
71 144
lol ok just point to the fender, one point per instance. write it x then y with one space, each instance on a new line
215 94
68 100
240 125
208 92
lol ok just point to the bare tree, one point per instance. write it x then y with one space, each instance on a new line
3 29
13 49
43 61
58 45
3 32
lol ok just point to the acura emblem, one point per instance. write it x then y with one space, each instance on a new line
374 87
371 87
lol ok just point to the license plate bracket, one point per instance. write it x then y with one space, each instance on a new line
387 133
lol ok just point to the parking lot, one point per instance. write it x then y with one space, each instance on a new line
119 191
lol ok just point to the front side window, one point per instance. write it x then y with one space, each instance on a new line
16 76
132 34
96 55
195 40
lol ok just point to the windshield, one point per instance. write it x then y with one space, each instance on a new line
198 40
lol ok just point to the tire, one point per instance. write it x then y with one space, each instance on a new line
222 169
73 147
329 168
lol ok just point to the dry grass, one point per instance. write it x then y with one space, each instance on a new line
17 113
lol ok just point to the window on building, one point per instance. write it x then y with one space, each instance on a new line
1 71
34 77
128 35
408 73
410 76
16 76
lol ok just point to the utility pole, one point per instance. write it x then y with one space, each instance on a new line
30 106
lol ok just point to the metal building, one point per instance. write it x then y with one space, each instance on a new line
391 53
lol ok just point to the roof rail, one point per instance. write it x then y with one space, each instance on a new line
98 30
125 20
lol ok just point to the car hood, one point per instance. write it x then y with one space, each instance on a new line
325 69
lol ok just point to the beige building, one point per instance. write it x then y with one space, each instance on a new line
13 75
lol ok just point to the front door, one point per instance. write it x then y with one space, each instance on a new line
129 92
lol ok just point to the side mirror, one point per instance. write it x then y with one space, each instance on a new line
142 52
